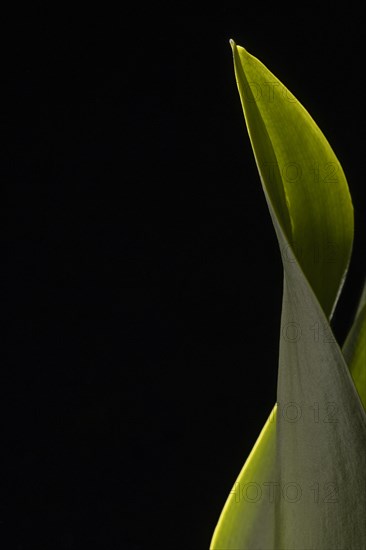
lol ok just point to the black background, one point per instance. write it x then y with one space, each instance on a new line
143 280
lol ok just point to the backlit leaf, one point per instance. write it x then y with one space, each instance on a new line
303 485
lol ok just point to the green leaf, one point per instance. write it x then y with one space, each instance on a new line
247 519
305 477
303 179
354 348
